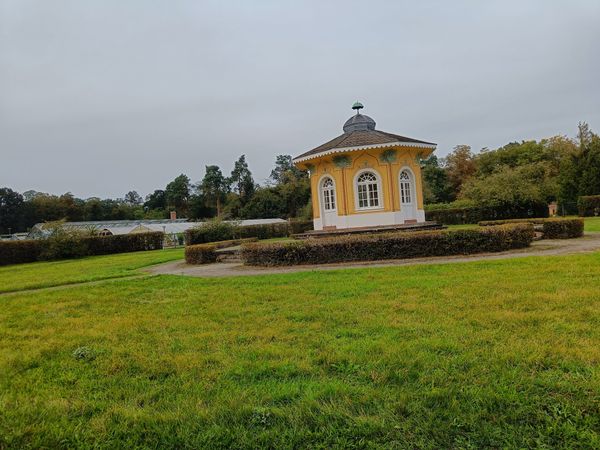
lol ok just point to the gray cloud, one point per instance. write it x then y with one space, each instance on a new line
100 97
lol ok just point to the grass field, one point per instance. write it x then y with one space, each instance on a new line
482 354
46 274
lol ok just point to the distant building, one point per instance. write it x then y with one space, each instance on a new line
366 177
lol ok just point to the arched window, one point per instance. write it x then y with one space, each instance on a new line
328 194
406 194
368 190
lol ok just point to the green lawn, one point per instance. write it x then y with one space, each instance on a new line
591 225
473 355
45 274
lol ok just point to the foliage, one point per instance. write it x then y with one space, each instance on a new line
214 187
156 200
300 226
241 180
18 252
460 166
200 254
488 354
589 205
11 212
552 228
436 186
285 170
266 203
67 244
177 194
132 198
212 231
457 213
388 246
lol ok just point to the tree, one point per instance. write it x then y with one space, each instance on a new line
285 169
266 203
156 200
213 187
460 166
177 194
11 204
241 180
132 198
436 186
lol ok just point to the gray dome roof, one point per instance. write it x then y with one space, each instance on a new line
359 122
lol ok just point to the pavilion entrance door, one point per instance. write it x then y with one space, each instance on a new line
328 202
408 201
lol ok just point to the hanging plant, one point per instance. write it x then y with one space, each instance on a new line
342 161
388 156
310 168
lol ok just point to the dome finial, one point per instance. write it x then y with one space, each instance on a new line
357 106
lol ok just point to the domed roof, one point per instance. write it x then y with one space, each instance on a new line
359 122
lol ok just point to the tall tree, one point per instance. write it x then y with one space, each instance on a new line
460 166
11 204
436 186
177 194
285 169
132 198
241 180
156 200
214 186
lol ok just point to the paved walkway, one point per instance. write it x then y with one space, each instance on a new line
589 243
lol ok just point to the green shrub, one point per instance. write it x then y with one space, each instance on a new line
212 232
200 254
551 228
589 205
18 252
300 226
447 215
265 231
388 246
562 228
223 231
74 245
232 242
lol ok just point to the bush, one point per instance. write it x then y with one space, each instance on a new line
562 228
18 252
589 205
200 254
473 214
69 245
552 228
388 246
223 231
300 226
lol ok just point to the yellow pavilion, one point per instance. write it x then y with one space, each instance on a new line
365 177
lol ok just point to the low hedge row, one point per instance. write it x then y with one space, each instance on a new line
589 205
388 246
474 214
17 252
200 254
552 228
224 231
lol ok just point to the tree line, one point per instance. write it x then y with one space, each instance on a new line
556 169
237 196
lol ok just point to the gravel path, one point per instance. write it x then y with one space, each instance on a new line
589 243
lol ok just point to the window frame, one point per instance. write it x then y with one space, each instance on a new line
378 185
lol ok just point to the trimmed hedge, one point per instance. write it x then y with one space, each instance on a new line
300 226
589 205
17 252
552 228
232 242
223 231
200 254
474 214
389 246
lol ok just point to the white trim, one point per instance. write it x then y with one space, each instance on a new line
380 195
363 147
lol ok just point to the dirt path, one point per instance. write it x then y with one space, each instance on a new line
589 243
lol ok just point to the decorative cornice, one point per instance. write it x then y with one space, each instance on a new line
363 147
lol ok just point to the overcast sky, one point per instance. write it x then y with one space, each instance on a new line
99 97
